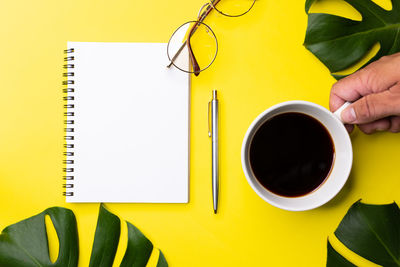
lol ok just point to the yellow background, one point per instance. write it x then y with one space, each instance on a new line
261 62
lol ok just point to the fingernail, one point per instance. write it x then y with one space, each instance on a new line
349 115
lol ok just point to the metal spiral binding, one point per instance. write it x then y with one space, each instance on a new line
69 122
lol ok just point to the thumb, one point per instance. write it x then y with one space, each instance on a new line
373 107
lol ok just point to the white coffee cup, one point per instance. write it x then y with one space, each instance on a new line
341 165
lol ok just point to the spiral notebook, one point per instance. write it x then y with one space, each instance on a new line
127 124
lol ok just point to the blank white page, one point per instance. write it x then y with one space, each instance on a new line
131 124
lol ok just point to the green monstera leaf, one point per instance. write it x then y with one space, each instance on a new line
337 260
371 231
25 244
340 43
106 240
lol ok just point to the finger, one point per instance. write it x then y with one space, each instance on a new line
372 107
376 126
376 77
335 102
391 124
347 89
394 124
349 127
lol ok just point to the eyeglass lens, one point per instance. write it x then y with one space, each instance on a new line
201 46
232 8
203 43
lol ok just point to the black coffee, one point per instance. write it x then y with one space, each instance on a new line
291 154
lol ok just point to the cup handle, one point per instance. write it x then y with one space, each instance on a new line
338 112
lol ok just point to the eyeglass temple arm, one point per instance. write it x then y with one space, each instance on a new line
201 17
176 54
195 65
209 7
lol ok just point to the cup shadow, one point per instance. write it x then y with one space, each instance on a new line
348 187
343 194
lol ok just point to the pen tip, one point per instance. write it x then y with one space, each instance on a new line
215 211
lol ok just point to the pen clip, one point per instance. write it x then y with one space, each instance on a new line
208 115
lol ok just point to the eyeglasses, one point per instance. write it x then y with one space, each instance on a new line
196 36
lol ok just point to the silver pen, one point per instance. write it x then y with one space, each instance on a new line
213 133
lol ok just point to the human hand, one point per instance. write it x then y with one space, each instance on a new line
375 93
